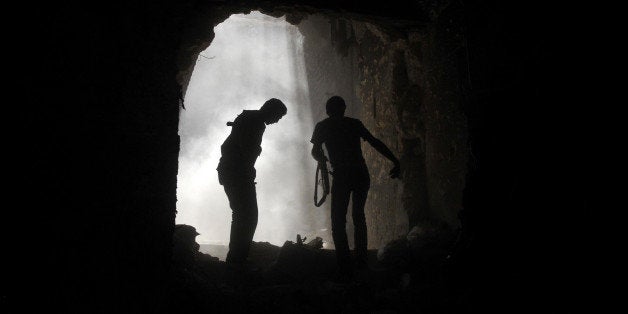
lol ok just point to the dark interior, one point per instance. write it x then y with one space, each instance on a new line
480 119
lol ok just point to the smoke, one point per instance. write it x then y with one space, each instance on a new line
251 59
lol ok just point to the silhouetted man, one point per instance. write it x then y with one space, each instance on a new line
341 136
236 172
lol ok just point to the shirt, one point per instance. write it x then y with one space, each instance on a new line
341 136
242 147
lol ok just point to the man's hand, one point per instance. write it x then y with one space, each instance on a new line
318 154
395 172
321 158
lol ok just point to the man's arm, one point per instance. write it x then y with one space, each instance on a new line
318 140
385 151
317 152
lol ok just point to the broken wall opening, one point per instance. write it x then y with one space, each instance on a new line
393 78
254 57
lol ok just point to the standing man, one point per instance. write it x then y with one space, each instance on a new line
236 173
341 136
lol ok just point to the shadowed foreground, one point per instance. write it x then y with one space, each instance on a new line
406 276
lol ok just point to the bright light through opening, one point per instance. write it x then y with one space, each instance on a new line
252 58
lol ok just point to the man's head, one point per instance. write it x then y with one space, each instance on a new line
335 106
272 110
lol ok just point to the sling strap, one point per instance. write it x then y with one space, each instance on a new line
324 181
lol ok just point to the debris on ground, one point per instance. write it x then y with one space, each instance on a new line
300 277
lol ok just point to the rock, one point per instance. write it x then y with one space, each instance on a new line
263 254
394 252
301 261
316 243
184 246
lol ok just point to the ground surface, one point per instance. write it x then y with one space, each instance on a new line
301 278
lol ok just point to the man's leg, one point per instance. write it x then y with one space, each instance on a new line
360 193
359 224
243 202
339 202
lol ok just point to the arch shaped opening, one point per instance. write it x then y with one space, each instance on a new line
253 57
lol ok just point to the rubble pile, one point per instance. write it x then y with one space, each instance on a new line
300 277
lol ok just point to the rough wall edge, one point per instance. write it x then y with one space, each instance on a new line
199 32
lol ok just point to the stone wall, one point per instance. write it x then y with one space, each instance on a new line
376 55
409 91
405 90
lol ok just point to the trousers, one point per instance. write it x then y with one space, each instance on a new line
244 212
349 182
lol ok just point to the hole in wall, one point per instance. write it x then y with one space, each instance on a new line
320 55
252 58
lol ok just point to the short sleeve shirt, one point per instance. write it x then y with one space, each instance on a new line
341 136
242 147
